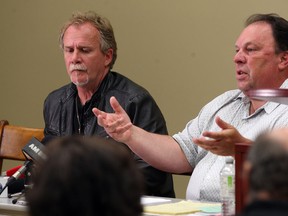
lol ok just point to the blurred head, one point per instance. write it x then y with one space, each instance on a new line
86 176
267 167
89 46
261 52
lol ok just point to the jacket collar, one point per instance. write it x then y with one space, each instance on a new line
71 91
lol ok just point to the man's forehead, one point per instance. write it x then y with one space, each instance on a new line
85 33
83 28
256 33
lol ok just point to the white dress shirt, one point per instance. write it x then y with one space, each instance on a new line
233 108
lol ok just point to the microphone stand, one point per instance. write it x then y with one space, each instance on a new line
33 152
27 185
20 195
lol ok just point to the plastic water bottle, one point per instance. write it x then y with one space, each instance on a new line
227 187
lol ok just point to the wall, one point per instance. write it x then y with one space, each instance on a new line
181 51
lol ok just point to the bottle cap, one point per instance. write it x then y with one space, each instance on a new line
229 160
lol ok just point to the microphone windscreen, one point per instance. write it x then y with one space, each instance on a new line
34 150
11 171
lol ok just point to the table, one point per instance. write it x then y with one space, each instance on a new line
156 201
7 208
182 205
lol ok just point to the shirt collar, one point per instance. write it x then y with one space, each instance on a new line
269 106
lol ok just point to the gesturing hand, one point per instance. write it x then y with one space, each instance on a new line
222 142
117 124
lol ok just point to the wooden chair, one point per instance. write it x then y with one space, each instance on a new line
14 138
241 187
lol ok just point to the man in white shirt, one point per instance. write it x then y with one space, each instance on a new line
261 61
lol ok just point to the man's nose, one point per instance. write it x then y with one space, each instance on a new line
76 57
239 57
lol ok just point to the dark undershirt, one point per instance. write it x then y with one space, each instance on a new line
83 111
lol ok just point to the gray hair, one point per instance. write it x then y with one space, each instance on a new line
107 39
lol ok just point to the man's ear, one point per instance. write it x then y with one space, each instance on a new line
108 57
283 61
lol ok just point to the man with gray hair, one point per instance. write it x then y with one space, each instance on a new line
90 51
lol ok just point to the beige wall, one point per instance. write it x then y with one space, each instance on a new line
180 50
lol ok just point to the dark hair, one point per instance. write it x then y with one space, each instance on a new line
269 172
86 176
279 28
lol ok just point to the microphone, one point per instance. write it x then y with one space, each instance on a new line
17 174
11 171
33 151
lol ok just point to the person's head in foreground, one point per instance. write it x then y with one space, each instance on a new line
86 176
266 172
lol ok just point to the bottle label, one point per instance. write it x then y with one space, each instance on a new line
227 186
230 181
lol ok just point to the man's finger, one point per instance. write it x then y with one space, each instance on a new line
98 112
115 105
222 124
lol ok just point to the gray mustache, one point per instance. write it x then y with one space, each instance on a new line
79 67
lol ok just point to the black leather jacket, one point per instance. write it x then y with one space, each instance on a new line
59 116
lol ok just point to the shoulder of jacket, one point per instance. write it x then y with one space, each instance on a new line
62 93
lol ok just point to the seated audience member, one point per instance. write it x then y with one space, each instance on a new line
86 176
266 172
90 51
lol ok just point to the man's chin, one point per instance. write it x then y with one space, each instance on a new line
80 84
244 86
79 78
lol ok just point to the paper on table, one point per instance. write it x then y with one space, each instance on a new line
153 200
215 208
182 207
